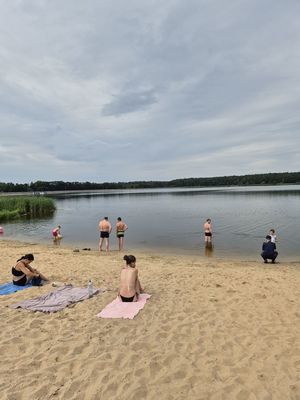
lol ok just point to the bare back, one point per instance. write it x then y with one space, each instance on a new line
128 282
207 227
104 226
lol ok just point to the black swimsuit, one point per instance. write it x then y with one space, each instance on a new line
20 282
127 299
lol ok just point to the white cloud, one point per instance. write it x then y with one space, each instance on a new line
148 90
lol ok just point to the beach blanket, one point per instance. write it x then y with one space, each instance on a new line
56 300
118 309
9 287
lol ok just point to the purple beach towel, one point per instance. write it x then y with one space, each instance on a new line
56 300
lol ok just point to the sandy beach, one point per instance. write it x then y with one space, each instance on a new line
212 330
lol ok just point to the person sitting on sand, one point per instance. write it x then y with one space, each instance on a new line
130 287
56 233
269 250
23 273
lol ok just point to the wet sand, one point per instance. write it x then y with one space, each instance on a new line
212 330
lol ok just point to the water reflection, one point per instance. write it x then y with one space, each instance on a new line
208 249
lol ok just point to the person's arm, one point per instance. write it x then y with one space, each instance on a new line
28 271
110 228
125 227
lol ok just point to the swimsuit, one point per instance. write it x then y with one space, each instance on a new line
127 299
208 234
20 282
54 233
104 234
120 234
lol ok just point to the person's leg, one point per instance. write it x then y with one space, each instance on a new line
263 256
121 243
42 276
107 245
274 257
119 240
100 243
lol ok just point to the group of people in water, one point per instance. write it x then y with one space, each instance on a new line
129 290
269 251
105 229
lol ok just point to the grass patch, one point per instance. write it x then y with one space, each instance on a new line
12 207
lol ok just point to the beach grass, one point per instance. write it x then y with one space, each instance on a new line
25 206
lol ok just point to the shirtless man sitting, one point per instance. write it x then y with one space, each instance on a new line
105 230
130 287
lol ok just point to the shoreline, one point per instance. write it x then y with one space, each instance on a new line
212 329
163 252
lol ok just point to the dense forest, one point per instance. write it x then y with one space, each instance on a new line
234 180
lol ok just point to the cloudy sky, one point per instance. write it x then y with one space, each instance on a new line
114 90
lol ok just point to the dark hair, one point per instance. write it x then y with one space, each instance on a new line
106 218
268 237
119 219
28 257
129 259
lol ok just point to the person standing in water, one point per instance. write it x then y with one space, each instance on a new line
273 235
207 230
56 233
121 227
105 230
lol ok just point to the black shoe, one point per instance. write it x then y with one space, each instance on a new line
266 261
273 261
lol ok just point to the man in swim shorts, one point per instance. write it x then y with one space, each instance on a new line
121 227
207 230
105 230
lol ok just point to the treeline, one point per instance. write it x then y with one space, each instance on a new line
234 180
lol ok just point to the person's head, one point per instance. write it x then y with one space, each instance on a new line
27 258
268 237
208 220
272 231
59 226
130 260
106 218
119 219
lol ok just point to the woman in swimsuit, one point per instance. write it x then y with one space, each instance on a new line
23 273
130 286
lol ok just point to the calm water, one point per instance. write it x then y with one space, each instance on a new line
171 220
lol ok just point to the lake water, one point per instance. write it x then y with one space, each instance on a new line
171 220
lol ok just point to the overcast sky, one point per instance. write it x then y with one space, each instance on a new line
114 90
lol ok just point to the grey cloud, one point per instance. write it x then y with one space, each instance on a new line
129 102
198 89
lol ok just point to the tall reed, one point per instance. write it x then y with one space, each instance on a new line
12 207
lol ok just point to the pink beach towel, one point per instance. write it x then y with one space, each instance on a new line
118 309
